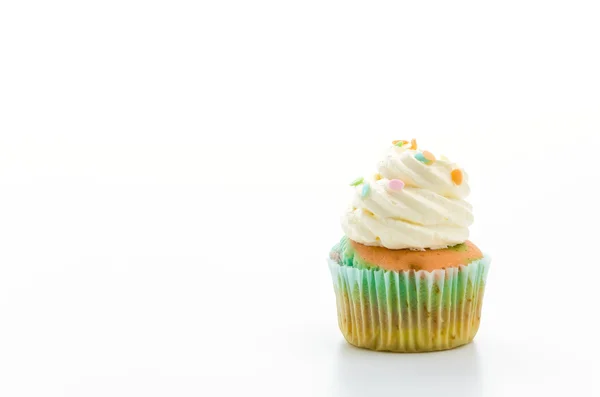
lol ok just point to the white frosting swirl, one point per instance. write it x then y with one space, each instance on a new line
428 213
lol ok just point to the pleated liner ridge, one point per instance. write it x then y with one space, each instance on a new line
409 311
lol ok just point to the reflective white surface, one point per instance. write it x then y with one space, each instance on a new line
120 290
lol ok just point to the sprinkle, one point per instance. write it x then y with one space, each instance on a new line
457 176
425 158
421 158
357 181
429 157
399 143
377 177
366 190
396 184
413 144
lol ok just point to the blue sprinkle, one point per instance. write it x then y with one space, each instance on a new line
421 158
365 190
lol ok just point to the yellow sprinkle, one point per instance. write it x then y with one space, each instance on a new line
368 212
457 176
377 177
413 144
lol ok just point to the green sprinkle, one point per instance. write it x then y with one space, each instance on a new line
400 144
366 190
459 247
357 181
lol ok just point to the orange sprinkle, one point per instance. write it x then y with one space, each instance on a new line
413 144
429 157
399 141
457 176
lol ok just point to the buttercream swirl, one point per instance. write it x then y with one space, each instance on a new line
429 212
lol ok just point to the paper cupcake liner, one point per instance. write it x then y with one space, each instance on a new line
409 311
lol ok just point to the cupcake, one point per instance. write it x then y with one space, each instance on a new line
405 275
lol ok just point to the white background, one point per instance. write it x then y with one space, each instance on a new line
172 175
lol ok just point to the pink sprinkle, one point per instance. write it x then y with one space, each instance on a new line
396 184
